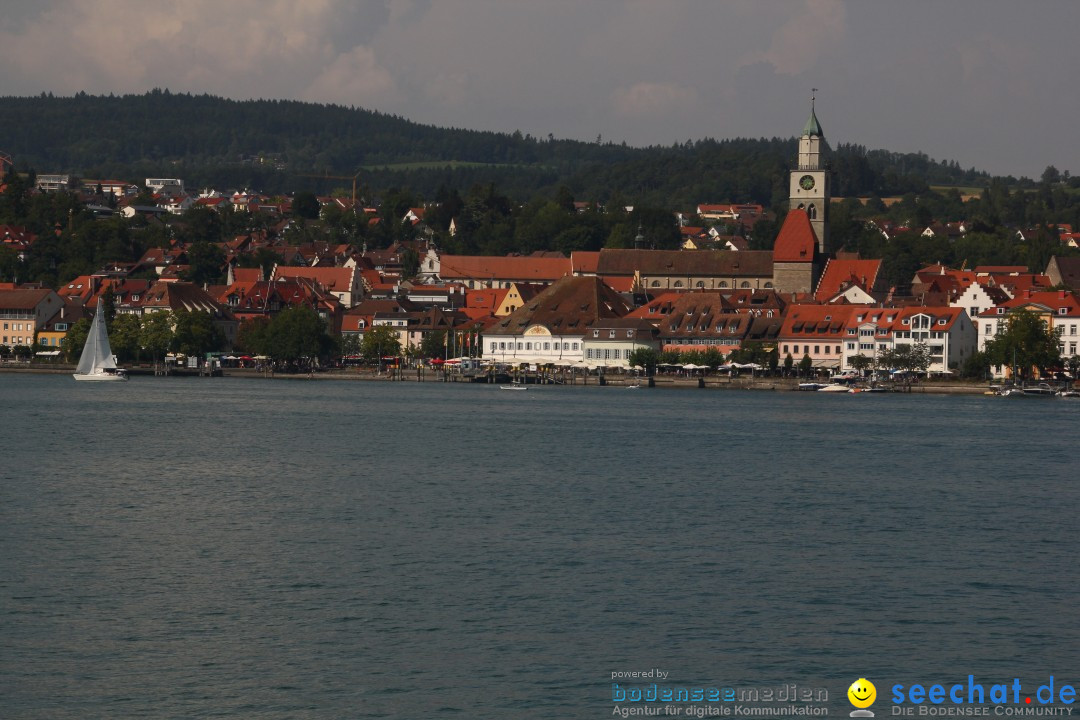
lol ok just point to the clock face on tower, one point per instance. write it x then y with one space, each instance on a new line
806 182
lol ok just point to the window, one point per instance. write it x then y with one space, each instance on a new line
528 346
745 285
616 354
588 353
723 284
494 346
655 283
1063 311
828 349
607 354
700 284
817 349
611 333
851 346
785 348
989 329
502 346
547 346
575 346
678 283
630 333
1072 329
768 286
596 333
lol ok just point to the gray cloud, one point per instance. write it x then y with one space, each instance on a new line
984 82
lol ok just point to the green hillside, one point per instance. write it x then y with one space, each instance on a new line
276 145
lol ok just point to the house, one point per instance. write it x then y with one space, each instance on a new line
1059 309
795 254
359 318
53 332
851 280
516 295
179 296
947 332
23 312
1064 271
658 270
477 271
346 284
550 329
610 342
976 298
816 330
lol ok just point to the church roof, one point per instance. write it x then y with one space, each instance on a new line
796 241
813 127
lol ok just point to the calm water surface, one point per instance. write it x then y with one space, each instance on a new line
280 549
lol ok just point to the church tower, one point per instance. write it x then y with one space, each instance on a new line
809 182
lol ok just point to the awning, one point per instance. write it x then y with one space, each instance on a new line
48 353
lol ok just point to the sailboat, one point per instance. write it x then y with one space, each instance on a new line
96 361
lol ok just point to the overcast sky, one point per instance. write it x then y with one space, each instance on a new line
988 83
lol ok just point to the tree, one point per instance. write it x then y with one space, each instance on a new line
206 262
306 205
195 333
646 358
124 337
410 263
75 339
380 341
297 334
1025 343
805 365
252 336
861 363
156 333
789 362
433 345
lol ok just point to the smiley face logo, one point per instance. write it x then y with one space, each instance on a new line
862 693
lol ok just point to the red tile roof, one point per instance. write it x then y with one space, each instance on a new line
840 274
796 241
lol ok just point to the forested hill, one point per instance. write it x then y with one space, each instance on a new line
273 145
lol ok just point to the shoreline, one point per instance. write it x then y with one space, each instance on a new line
767 384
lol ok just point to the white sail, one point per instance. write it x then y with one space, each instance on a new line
97 357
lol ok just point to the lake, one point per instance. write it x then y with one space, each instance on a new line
333 549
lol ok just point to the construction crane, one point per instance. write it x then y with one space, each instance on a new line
354 179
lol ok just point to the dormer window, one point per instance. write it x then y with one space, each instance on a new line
596 333
629 333
1001 311
1063 311
904 321
943 321
611 333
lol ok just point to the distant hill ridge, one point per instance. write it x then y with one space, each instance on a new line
274 144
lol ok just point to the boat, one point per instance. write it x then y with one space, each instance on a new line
514 386
97 361
635 386
835 387
1011 392
1040 390
1068 393
810 386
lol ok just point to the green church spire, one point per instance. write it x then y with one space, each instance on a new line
813 127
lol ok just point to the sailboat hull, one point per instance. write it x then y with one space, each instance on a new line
101 377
